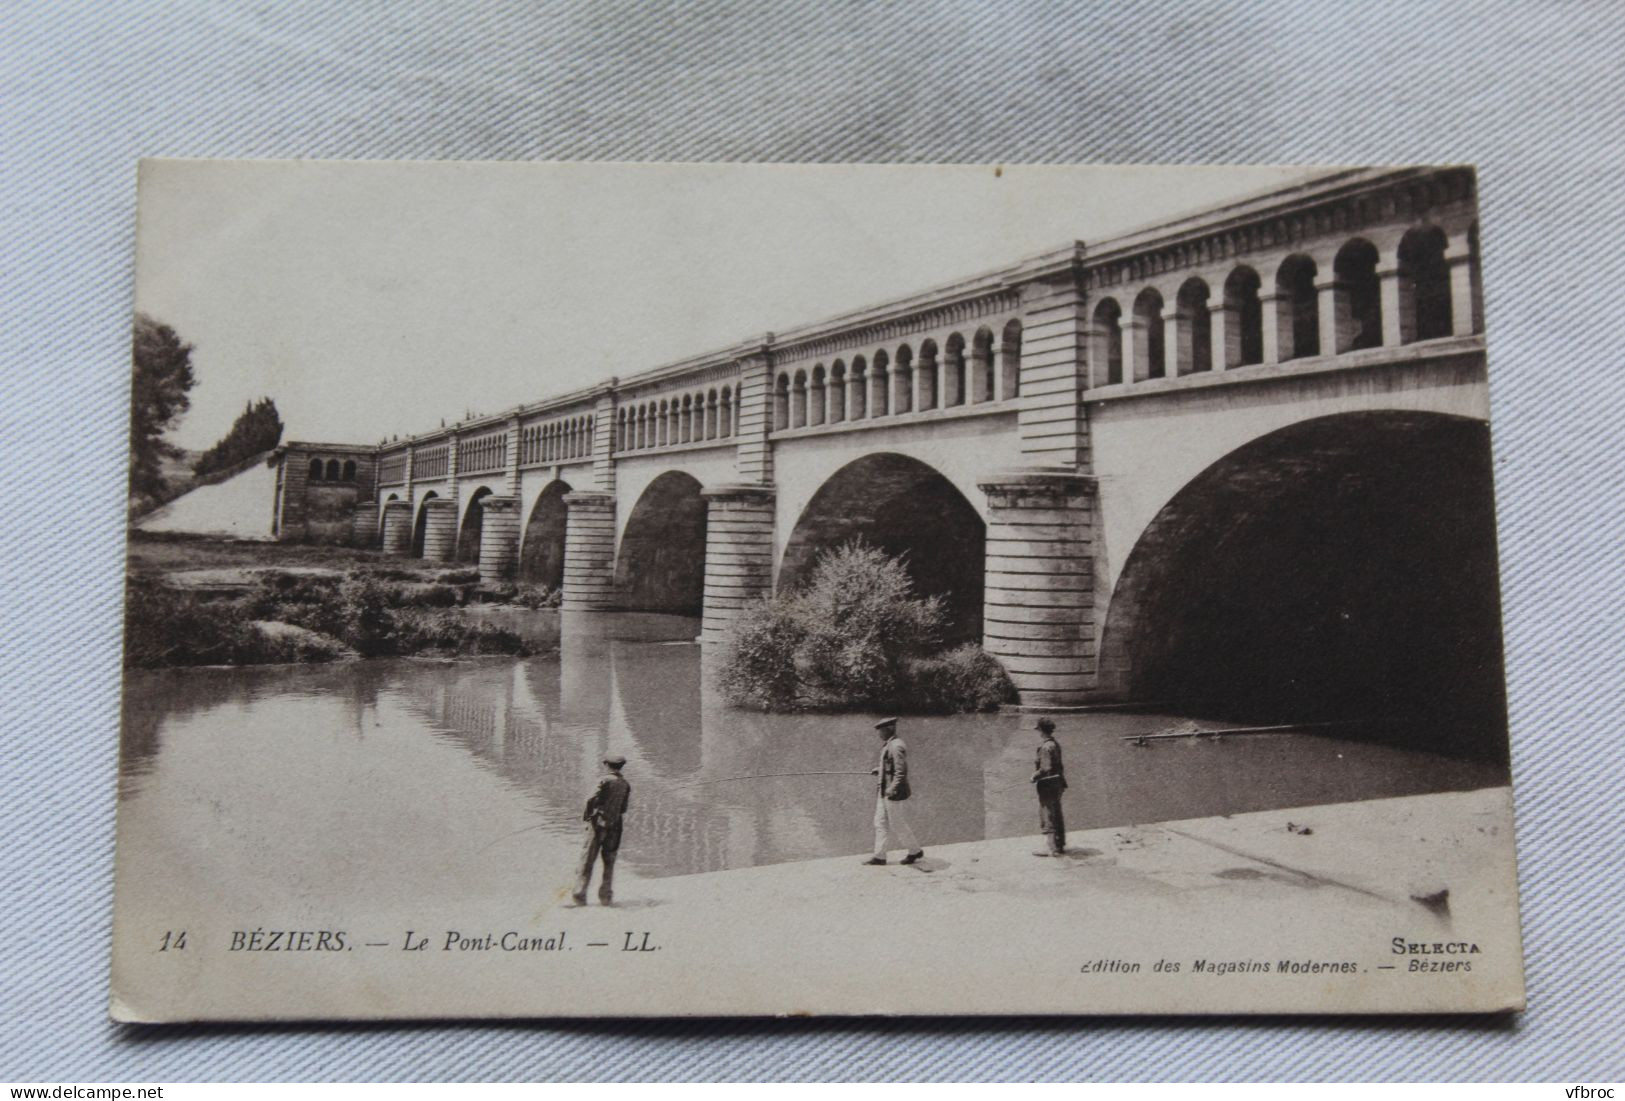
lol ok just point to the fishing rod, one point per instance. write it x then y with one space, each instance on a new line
1217 732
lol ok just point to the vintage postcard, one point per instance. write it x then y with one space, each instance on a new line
615 590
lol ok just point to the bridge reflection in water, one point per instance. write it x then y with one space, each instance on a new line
420 771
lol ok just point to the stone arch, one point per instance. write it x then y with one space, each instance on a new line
781 403
1244 318
880 384
347 472
1341 567
316 469
1356 297
837 391
953 371
984 369
857 382
541 548
902 373
927 391
798 400
1297 308
725 414
905 507
660 566
468 534
1010 359
335 473
1150 355
1424 285
1106 354
1194 326
817 396
420 522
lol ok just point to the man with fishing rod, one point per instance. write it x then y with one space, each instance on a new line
891 820
605 810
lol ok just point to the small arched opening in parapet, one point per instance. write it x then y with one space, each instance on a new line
713 406
817 396
953 371
857 389
1297 308
468 536
541 549
1243 318
1356 296
421 523
1150 354
927 390
908 509
798 400
837 391
316 470
1010 359
1342 568
781 403
1424 286
662 435
1106 355
983 370
725 414
335 472
880 385
620 430
1194 326
348 472
660 566
902 380
685 420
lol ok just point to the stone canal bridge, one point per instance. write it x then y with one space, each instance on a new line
1244 451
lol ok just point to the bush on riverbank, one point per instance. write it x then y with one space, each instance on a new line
360 613
856 637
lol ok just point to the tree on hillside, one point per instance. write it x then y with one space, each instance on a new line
162 364
258 428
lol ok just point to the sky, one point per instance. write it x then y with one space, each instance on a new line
373 299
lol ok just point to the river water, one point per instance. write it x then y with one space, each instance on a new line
368 769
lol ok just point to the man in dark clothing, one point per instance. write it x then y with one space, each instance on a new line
1049 778
603 816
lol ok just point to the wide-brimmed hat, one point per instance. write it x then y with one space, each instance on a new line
615 760
885 723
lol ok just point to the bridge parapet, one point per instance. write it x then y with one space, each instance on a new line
1367 259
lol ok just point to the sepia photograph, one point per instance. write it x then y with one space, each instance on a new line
622 590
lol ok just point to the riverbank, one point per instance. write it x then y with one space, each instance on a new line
1394 904
210 601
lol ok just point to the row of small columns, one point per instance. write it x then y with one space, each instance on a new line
1334 319
936 382
1038 614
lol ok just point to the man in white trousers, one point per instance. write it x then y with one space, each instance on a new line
891 819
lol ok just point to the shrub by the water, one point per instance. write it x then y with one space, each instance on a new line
856 636
966 678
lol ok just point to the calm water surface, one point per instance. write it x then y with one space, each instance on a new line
430 770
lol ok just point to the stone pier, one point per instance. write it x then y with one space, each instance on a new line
499 539
364 532
1038 613
589 551
738 552
439 529
398 527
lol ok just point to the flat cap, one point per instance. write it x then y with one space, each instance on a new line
615 760
884 723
